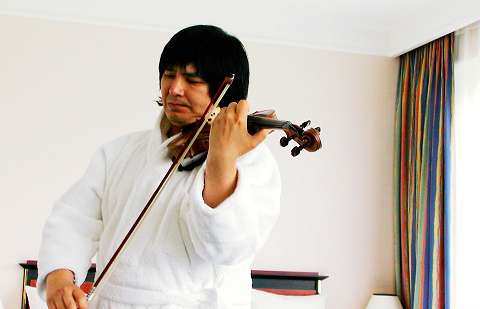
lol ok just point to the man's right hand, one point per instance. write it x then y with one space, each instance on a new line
62 293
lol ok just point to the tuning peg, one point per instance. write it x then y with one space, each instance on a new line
296 150
305 124
285 140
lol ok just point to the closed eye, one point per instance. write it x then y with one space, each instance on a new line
195 81
169 74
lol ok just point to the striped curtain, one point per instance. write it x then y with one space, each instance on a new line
422 173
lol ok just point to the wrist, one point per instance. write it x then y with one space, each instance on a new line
220 166
60 277
218 156
220 180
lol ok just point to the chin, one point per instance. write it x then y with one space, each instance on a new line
179 121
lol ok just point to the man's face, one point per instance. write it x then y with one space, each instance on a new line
185 95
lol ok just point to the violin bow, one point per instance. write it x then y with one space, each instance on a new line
227 82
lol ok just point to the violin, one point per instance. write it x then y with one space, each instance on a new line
306 139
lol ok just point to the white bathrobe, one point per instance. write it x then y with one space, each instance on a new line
185 254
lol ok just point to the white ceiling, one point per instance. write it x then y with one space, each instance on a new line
376 27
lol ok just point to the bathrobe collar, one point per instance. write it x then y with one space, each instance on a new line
158 141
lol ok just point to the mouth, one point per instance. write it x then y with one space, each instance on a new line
178 105
173 106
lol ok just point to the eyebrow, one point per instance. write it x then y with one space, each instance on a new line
184 73
191 74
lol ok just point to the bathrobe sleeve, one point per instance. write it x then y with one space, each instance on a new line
72 231
238 227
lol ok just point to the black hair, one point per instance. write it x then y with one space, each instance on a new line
214 53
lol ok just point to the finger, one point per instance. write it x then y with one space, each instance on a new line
80 298
58 302
242 108
69 301
231 108
219 117
51 305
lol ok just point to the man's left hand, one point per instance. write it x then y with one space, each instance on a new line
229 139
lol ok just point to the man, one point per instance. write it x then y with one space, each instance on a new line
196 246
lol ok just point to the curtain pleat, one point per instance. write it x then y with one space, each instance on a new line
422 167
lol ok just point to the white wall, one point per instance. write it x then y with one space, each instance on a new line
66 88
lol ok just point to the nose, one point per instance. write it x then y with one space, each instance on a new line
177 86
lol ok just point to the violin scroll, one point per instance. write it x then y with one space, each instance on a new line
306 139
310 141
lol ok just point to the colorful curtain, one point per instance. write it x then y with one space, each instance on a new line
422 173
